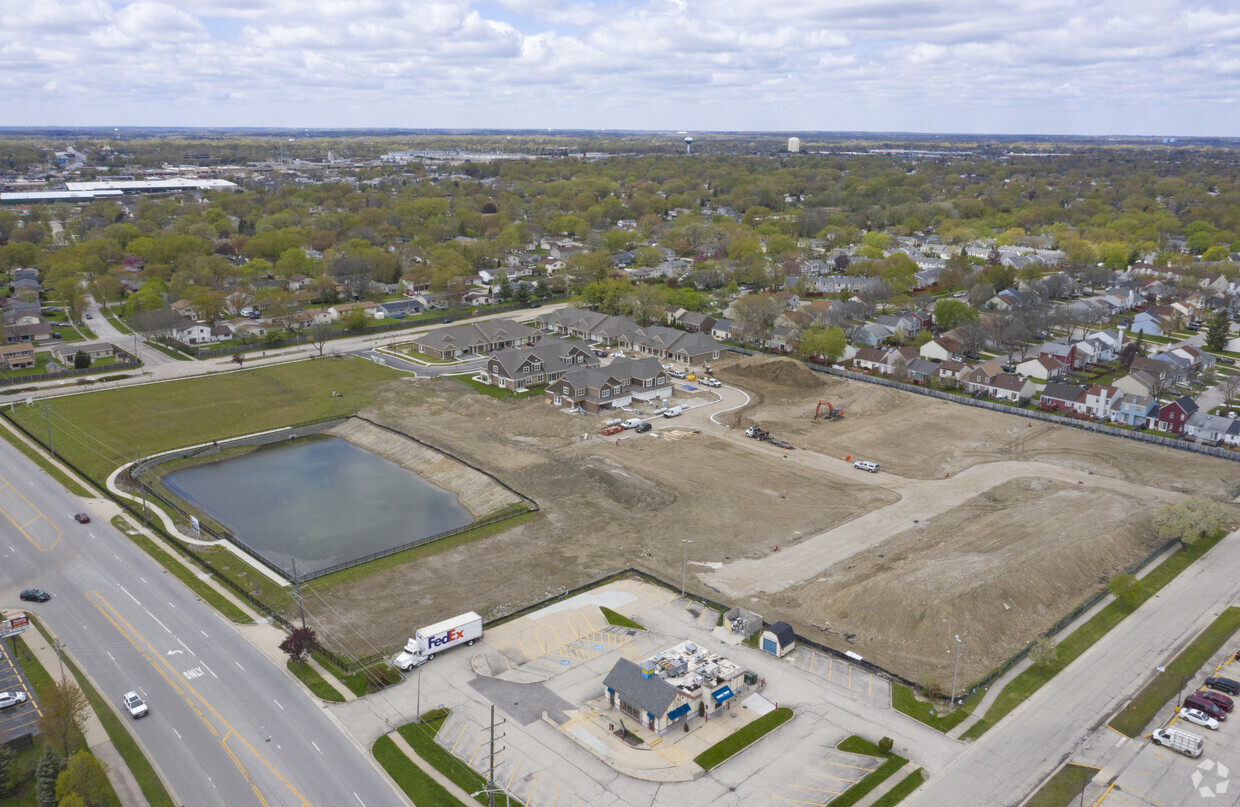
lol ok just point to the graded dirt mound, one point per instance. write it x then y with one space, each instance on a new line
781 372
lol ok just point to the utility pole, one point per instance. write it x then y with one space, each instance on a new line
137 476
47 418
491 768
957 672
684 569
297 593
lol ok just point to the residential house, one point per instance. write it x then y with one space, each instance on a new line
522 367
921 371
952 371
17 356
1135 410
871 334
870 358
1179 367
298 282
1010 387
978 379
340 309
478 297
487 336
196 333
95 350
1100 400
185 308
1063 397
722 329
612 387
942 348
694 322
1206 428
1063 352
1043 368
1173 417
1146 323
404 307
1139 383
904 326
784 338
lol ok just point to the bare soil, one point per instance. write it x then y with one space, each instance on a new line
998 568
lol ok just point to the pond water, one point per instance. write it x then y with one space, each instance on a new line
321 500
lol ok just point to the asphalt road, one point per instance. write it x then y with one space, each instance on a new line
226 726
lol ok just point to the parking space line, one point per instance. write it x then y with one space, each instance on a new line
476 750
817 789
850 669
813 654
515 768
845 765
527 655
557 797
829 776
556 633
529 798
799 801
452 750
870 689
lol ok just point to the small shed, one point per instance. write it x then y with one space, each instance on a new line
778 639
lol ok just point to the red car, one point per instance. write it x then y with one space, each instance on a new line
82 518
1225 703
1195 701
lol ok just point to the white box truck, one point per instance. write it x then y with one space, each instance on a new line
1185 742
426 642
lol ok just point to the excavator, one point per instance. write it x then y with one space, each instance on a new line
827 412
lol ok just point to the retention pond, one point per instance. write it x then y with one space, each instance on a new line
321 500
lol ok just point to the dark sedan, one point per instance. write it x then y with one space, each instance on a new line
35 595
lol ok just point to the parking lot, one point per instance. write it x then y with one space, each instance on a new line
1157 776
23 718
543 673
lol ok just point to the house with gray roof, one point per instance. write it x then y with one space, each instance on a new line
615 386
676 684
488 336
517 368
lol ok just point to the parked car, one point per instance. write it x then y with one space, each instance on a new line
446 320
1229 685
642 428
711 382
973 356
1009 368
136 706
8 699
81 518
1222 701
1199 717
676 374
35 595
673 412
1227 360
1195 701
866 465
631 423
535 305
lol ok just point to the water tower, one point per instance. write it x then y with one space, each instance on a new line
794 145
688 145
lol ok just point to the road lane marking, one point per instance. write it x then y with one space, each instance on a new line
130 596
239 667
191 652
277 703
359 800
177 733
213 675
157 622
21 529
199 704
316 747
110 655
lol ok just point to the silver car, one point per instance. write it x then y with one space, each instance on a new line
136 706
8 699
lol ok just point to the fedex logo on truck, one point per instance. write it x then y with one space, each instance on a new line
445 638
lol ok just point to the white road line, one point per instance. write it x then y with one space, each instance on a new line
118 557
143 579
359 800
316 747
110 655
177 733
183 644
210 670
277 703
91 534
157 622
239 667
132 597
203 632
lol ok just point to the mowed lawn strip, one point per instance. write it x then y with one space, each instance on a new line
901 791
1062 788
421 737
1081 639
1141 710
417 783
100 431
891 764
903 699
728 747
619 620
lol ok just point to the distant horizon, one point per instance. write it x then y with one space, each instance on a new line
999 68
106 128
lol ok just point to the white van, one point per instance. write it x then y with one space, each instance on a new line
631 423
1185 742
866 465
673 412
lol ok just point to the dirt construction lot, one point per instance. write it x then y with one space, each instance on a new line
980 524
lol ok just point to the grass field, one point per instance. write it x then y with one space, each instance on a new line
421 737
314 682
100 431
903 700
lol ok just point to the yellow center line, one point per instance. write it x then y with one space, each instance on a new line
168 672
21 528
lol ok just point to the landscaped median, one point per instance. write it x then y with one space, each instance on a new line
891 764
1062 788
1166 686
1081 639
738 741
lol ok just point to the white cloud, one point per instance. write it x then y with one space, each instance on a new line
966 65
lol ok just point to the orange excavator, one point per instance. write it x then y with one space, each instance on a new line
827 412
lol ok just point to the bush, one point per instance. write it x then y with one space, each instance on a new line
886 744
81 360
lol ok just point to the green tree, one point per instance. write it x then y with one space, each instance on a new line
1127 590
84 776
8 771
755 316
829 343
950 314
1216 333
1044 651
45 775
81 360
1189 520
354 319
64 711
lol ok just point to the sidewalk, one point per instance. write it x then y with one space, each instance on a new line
430 771
891 781
97 740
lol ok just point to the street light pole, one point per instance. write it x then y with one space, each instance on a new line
684 568
957 672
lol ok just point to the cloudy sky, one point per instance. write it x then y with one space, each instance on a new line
1159 67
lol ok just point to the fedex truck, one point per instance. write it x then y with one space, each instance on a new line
426 642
